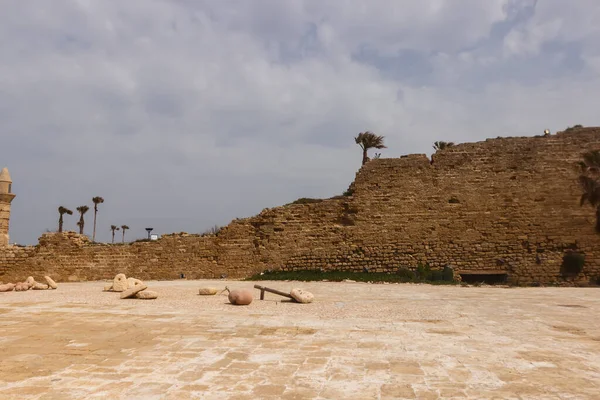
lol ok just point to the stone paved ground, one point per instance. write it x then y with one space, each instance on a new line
357 341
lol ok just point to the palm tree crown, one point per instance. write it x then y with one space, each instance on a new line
368 140
82 210
442 145
113 228
62 210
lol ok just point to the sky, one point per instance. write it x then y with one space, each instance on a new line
183 114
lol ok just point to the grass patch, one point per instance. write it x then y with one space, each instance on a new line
573 128
337 276
306 200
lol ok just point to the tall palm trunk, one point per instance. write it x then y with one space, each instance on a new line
113 236
123 240
365 157
60 223
95 212
81 225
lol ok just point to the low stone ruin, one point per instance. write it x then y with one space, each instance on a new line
130 288
30 283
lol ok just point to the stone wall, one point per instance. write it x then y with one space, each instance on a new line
506 205
69 256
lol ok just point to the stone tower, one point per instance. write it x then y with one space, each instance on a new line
6 197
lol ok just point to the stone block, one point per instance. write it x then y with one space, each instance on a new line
132 291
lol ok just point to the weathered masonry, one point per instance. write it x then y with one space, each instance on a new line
6 197
506 207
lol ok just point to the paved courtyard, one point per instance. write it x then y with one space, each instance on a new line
356 341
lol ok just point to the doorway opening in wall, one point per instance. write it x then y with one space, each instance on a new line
485 278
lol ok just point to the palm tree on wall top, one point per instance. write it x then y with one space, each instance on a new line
589 180
590 163
113 228
442 145
97 200
82 210
123 229
62 210
368 140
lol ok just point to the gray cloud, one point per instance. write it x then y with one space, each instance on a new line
184 114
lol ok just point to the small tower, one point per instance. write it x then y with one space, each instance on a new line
6 197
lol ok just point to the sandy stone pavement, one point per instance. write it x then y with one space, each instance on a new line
356 341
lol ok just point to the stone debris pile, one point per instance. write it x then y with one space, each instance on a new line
130 288
30 283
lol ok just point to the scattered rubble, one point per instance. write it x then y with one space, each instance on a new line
50 282
7 287
302 296
297 295
130 288
133 282
30 283
147 295
39 286
208 291
133 290
120 283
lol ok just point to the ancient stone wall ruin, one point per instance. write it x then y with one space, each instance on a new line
69 256
502 206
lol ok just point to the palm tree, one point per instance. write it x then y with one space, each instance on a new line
590 163
368 140
214 230
62 210
442 145
591 195
82 210
113 228
97 200
589 180
123 229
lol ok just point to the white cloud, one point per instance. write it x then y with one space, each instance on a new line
552 22
187 113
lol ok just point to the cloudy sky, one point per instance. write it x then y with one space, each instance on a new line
183 114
